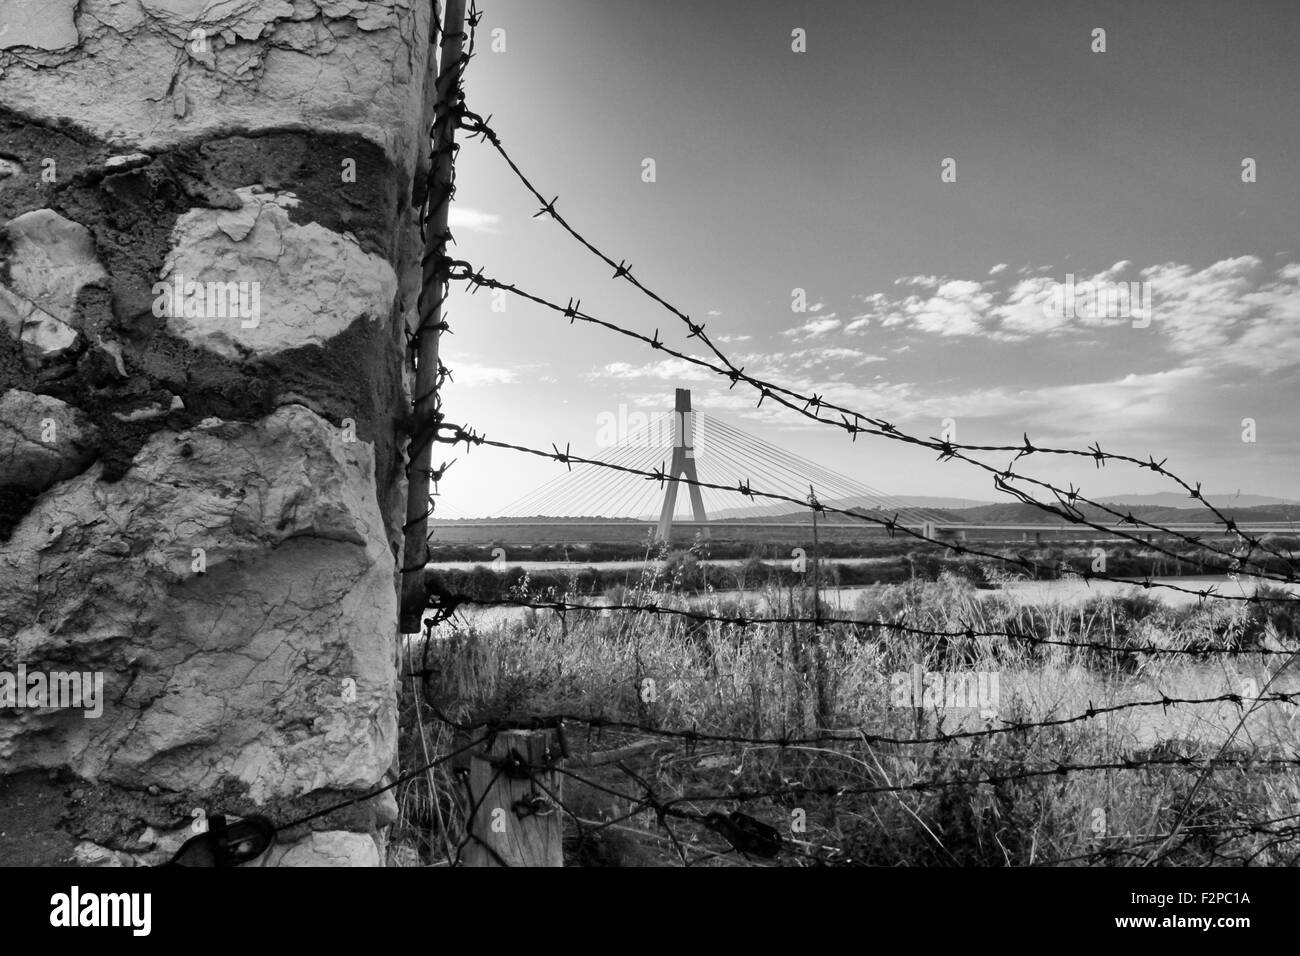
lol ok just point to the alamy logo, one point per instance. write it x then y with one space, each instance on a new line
186 298
1100 300
966 690
635 429
60 689
75 909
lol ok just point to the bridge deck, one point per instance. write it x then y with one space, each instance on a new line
1185 528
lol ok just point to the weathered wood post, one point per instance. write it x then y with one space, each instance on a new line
516 792
433 267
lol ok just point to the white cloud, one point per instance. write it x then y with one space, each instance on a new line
814 327
1025 312
772 364
1233 311
669 369
1129 407
920 282
471 220
473 376
1000 267
956 308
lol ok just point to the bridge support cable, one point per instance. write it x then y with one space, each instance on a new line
829 484
565 494
552 498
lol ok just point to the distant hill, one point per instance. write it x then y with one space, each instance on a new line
946 504
1168 499
1018 513
776 510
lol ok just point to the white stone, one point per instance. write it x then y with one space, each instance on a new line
148 412
365 76
42 24
27 459
239 223
325 848
52 258
239 670
114 351
47 335
127 159
92 854
310 283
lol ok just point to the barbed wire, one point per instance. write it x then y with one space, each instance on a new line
471 438
448 603
426 406
739 829
1068 510
1260 826
479 127
749 835
379 791
742 832
857 734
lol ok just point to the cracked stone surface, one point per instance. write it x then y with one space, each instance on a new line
329 848
339 65
307 283
323 848
50 260
42 440
198 525
39 24
233 674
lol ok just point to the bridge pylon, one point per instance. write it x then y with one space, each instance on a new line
683 465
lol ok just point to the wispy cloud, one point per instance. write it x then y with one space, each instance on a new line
669 369
920 282
1237 311
772 364
471 220
471 375
814 327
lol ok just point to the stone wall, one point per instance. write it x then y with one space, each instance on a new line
208 253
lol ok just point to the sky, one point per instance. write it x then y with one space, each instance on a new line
924 300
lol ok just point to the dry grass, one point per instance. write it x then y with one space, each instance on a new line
775 681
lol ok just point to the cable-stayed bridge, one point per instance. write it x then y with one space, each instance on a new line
722 454
692 447
695 450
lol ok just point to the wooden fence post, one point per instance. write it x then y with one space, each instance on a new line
516 793
433 277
